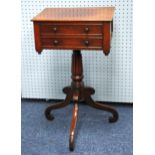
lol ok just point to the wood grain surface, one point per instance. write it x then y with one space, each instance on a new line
76 29
76 14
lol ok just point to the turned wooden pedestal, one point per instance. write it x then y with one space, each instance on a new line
78 92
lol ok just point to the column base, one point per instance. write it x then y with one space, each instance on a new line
76 93
76 97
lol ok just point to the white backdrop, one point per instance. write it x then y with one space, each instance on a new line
44 76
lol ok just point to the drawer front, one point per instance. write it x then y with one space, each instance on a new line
82 29
75 43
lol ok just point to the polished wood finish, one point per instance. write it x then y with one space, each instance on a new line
37 37
73 126
76 29
78 92
97 34
76 14
65 28
48 114
107 37
56 28
82 43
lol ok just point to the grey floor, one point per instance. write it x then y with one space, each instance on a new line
95 135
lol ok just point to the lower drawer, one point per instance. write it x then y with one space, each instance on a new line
68 43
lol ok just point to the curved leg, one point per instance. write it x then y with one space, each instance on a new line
100 106
48 114
73 126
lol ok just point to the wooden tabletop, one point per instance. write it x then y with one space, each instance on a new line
76 14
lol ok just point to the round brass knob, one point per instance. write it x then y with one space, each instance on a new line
55 29
55 42
86 29
86 42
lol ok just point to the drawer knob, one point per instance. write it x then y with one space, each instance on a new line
86 29
55 42
55 29
86 42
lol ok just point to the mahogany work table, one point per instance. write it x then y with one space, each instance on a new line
77 29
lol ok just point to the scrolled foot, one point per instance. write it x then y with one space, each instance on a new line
48 110
104 107
71 143
48 115
114 118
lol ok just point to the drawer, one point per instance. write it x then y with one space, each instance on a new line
75 43
72 29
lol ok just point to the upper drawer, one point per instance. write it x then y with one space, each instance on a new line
67 28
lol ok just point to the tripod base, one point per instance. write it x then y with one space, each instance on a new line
77 92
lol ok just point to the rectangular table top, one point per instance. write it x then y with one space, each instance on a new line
76 14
